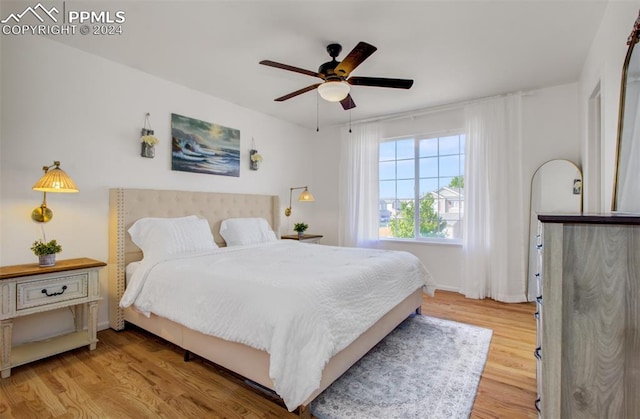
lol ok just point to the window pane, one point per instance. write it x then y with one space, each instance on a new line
428 185
405 189
450 145
387 151
429 147
445 181
404 149
449 165
431 224
429 167
388 189
406 169
402 222
384 213
387 170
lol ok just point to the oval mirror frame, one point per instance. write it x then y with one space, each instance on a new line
632 40
556 187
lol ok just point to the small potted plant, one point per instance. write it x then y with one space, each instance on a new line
46 252
300 228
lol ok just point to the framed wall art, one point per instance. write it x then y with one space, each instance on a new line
204 147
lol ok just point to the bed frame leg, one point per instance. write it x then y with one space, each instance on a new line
304 411
187 356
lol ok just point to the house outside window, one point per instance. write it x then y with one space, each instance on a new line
424 172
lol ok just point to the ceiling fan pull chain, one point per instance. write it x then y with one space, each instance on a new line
317 112
350 120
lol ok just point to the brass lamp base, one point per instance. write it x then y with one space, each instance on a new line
41 214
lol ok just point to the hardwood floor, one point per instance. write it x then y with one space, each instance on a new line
132 374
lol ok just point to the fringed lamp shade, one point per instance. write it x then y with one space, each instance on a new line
53 180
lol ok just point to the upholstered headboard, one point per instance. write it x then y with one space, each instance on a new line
128 205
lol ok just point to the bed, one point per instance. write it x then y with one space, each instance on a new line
130 205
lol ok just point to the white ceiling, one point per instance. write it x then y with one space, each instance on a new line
454 50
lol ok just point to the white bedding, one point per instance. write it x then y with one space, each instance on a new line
301 303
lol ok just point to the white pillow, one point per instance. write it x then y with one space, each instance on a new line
160 238
241 231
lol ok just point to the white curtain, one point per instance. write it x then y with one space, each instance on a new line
495 234
359 186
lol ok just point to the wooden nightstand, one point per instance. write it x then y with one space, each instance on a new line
28 289
306 238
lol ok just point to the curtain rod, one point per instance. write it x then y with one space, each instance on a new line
435 109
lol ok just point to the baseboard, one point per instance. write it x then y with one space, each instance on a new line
448 288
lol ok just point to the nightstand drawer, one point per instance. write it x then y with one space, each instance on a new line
38 293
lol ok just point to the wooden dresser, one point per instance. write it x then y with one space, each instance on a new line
589 316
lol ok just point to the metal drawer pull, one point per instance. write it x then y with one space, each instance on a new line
537 354
537 404
536 315
538 246
53 294
539 299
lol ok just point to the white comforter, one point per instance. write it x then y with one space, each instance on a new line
301 303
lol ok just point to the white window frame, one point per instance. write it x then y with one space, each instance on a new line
416 222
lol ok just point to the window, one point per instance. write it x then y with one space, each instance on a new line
424 172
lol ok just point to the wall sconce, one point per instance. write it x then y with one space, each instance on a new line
53 180
305 196
255 158
147 139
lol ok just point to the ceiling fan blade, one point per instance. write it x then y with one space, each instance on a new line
361 52
348 103
297 92
381 82
291 68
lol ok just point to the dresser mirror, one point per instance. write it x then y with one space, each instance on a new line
556 187
626 187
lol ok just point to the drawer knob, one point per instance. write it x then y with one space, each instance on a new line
53 294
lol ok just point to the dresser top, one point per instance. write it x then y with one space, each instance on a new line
595 218
16 271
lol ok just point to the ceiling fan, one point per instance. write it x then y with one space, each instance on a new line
335 75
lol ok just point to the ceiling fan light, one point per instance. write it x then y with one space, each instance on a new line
334 91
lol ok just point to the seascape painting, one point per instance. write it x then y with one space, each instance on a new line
203 147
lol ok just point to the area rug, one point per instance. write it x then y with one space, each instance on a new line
427 368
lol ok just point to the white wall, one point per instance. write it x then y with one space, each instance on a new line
550 131
603 66
59 103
